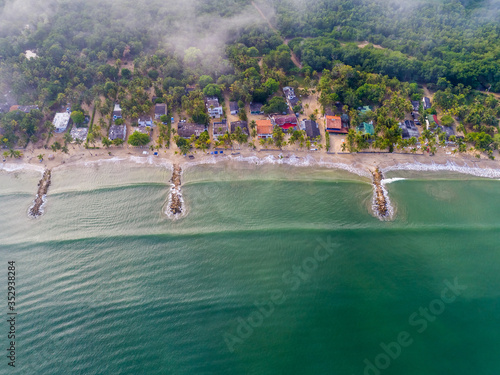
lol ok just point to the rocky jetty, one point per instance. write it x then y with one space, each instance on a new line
381 203
175 205
36 209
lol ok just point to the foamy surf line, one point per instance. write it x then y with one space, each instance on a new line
386 181
449 167
150 160
8 167
292 160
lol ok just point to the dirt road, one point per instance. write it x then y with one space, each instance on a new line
295 59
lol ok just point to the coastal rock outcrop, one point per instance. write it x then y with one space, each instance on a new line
175 204
36 210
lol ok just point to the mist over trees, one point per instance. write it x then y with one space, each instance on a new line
93 54
424 39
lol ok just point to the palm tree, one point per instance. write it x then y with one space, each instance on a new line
67 138
106 142
40 157
5 154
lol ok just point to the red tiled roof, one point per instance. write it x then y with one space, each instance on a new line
436 119
264 127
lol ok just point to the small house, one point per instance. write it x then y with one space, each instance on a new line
79 133
241 124
366 128
290 97
409 130
311 128
160 110
220 128
61 121
264 129
426 103
256 109
285 122
233 108
448 130
213 107
117 131
186 130
416 105
365 109
145 121
117 112
333 124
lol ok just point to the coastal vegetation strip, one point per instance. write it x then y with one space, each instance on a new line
36 209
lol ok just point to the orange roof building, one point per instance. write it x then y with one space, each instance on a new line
333 124
264 128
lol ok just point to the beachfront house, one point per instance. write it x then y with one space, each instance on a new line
285 122
160 110
264 129
334 124
117 131
233 108
311 128
366 128
220 128
448 130
409 130
79 133
61 121
213 107
186 130
241 124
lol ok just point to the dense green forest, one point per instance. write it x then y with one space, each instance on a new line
93 54
425 40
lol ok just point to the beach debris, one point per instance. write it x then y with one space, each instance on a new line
381 204
175 204
36 210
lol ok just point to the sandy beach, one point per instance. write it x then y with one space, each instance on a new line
358 163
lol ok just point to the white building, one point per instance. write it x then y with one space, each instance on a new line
61 121
214 108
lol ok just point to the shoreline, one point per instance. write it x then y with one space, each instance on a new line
358 164
372 167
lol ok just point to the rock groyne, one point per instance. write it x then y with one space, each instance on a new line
175 204
381 204
36 210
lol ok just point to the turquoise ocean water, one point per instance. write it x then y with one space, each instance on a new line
275 270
